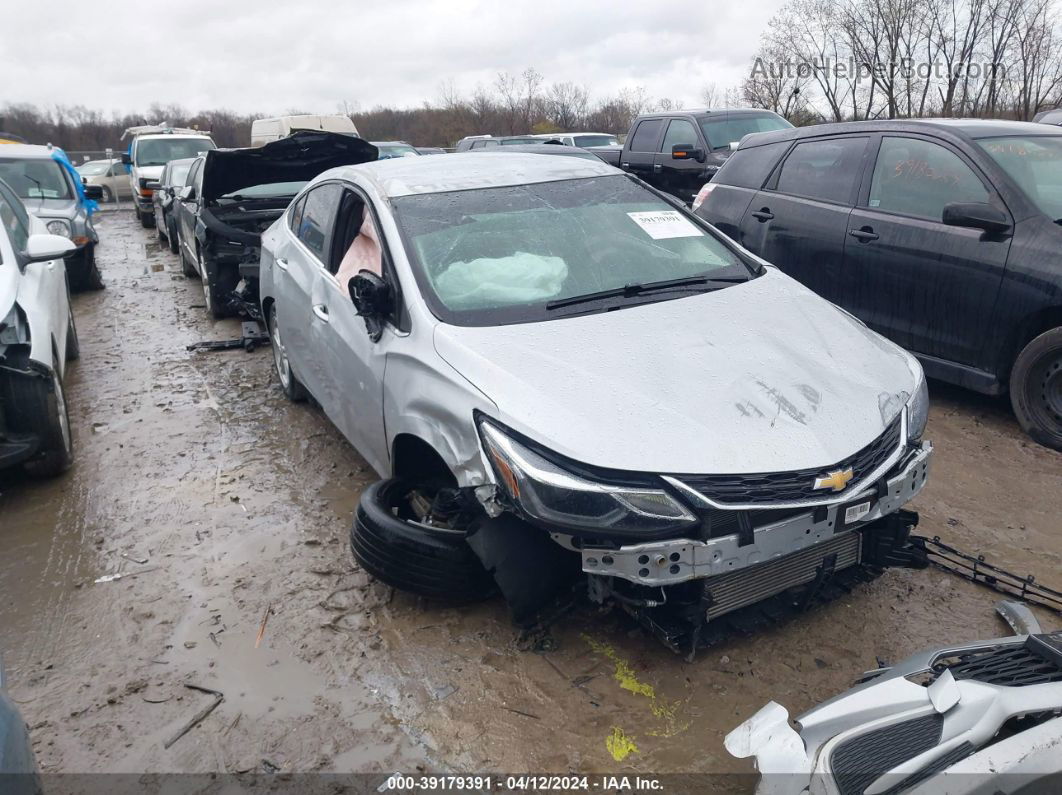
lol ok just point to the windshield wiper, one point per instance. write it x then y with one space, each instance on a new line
633 290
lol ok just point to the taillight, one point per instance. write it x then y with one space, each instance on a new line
703 194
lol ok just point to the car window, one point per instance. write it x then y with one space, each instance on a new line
827 170
15 221
295 217
721 131
318 217
916 177
749 167
193 175
679 131
1035 163
646 135
117 170
502 255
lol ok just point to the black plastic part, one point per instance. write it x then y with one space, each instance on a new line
253 335
887 543
530 569
858 762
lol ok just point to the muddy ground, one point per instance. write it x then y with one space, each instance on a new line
239 504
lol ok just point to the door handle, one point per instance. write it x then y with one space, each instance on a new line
657 168
281 263
763 216
864 235
625 165
321 311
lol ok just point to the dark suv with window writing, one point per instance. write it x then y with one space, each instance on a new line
943 235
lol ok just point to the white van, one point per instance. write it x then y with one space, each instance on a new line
265 130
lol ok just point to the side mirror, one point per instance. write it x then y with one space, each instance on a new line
94 192
126 159
734 145
187 193
373 299
152 184
46 247
977 215
687 152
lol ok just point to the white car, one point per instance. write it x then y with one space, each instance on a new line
37 339
151 147
559 369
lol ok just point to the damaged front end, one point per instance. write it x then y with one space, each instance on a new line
693 558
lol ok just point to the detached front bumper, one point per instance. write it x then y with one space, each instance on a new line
676 561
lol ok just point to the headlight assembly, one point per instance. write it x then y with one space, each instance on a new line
918 411
58 226
551 494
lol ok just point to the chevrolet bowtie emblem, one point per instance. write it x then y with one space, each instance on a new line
835 480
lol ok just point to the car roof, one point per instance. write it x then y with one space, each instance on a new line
408 176
557 150
26 151
709 112
390 143
960 129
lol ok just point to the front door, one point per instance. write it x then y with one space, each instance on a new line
684 177
928 287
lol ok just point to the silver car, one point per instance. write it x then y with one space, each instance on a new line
559 371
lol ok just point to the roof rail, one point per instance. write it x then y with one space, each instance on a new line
160 129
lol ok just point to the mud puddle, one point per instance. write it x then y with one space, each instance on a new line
235 505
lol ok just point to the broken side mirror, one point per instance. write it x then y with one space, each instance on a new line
373 299
687 152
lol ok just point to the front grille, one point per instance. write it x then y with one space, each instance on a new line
859 762
747 586
721 523
1035 662
774 487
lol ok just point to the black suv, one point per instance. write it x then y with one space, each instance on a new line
943 235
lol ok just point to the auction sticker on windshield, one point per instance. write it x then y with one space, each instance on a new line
665 224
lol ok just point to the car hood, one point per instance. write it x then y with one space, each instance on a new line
301 156
52 208
149 172
758 377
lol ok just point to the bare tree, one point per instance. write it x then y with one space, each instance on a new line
566 105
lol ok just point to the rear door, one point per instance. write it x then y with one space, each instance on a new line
726 199
681 178
929 287
799 221
639 156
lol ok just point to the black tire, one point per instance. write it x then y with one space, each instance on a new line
1036 389
411 557
73 344
289 383
217 286
82 272
38 405
147 220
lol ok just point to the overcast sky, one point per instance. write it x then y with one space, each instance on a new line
270 56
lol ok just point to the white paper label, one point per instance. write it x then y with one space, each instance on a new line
665 224
856 512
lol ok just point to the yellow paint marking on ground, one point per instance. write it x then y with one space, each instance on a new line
620 745
628 680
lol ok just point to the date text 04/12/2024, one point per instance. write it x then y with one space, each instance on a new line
520 783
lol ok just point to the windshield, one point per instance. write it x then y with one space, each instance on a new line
1035 163
93 169
178 174
38 178
267 190
517 254
721 131
388 151
595 140
160 151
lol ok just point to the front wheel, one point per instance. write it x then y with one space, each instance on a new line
217 287
147 220
82 271
171 237
1036 389
289 383
38 405
107 197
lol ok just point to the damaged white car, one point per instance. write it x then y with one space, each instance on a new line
559 370
37 338
973 719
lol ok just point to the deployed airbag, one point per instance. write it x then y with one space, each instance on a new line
489 281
